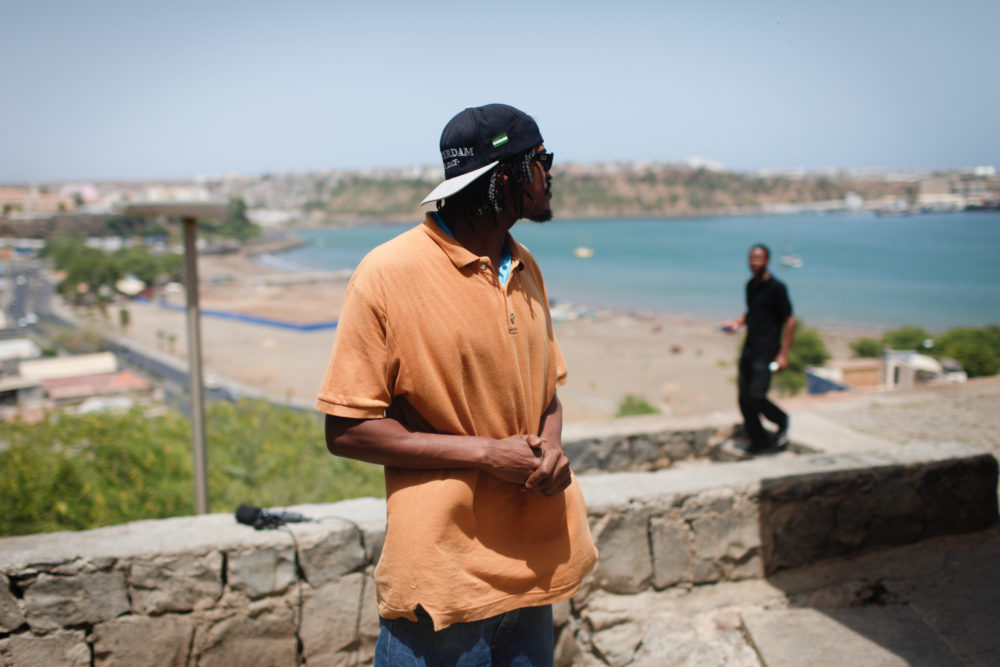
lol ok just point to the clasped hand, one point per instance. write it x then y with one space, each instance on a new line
531 461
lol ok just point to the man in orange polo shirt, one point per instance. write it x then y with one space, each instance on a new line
444 370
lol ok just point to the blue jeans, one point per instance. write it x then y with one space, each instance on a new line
521 638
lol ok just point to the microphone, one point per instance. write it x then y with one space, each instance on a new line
262 519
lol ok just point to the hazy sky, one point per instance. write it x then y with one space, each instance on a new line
144 90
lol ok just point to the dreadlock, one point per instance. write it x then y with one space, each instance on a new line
484 197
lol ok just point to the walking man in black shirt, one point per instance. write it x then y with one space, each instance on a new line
770 328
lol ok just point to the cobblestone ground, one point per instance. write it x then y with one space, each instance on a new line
967 412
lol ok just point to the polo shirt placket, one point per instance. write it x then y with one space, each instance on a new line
504 292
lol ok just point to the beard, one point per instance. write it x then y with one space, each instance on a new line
546 215
542 216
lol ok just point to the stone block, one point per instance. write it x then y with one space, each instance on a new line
701 441
959 495
53 602
368 630
897 499
852 521
726 541
750 567
266 571
11 617
175 584
672 547
618 644
644 451
797 533
374 541
585 455
331 617
568 652
60 649
561 612
143 640
262 634
328 556
712 501
625 565
877 507
613 626
653 629
894 493
617 454
677 450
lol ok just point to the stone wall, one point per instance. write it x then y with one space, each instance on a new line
209 591
641 451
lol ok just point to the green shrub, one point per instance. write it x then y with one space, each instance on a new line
635 405
867 348
905 338
71 472
81 471
978 350
807 349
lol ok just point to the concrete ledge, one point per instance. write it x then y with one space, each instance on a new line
656 442
182 535
732 521
885 636
211 591
624 488
648 442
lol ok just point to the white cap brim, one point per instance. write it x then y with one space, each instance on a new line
453 185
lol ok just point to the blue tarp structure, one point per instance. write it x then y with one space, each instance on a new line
820 385
283 324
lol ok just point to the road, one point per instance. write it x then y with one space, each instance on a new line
29 311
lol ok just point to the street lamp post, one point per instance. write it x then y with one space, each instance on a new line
195 375
189 214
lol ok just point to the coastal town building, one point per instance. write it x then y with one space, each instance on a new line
30 202
31 384
897 369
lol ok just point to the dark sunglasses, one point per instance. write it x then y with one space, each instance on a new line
545 159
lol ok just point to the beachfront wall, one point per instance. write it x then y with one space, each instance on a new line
209 591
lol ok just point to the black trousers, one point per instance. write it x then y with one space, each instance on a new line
754 381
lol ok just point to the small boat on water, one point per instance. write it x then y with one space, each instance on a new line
583 252
791 260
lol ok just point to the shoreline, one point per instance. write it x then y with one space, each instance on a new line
576 309
569 281
680 364
269 258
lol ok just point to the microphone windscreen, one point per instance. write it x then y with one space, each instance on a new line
248 514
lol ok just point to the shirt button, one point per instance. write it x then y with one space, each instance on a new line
482 266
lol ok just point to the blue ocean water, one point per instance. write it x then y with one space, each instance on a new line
933 270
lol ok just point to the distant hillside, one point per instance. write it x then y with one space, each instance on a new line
610 190
659 191
676 191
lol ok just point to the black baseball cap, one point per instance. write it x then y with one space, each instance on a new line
476 139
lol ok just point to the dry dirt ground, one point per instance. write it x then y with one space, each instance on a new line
680 365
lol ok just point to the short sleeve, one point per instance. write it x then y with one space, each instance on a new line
785 304
361 372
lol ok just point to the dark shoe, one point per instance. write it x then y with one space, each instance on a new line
781 437
754 448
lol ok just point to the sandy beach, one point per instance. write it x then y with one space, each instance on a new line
683 366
